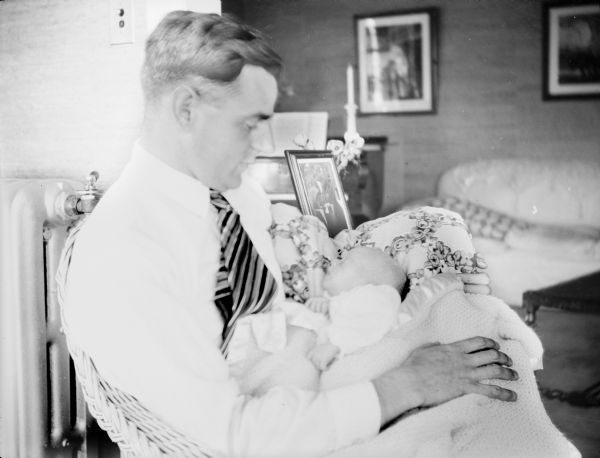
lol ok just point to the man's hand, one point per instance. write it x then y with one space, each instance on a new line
476 283
318 304
437 373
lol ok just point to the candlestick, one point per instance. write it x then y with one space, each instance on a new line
351 119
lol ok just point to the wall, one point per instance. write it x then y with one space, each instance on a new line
489 102
69 101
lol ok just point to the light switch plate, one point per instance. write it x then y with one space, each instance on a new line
121 21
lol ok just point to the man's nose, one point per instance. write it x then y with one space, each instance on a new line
262 139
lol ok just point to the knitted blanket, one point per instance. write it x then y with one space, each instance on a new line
469 426
472 425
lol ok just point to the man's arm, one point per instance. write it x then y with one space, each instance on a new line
437 373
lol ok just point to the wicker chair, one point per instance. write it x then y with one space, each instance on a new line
136 430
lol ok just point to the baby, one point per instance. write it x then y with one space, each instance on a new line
362 300
359 305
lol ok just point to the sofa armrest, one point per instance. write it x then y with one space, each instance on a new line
481 221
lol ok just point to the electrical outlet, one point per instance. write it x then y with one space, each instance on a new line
121 21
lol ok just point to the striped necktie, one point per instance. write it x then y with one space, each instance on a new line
244 284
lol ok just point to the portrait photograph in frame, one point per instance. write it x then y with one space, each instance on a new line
397 61
319 189
571 50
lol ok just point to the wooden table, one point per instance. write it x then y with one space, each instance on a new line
581 294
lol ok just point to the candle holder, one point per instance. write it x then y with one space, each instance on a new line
351 118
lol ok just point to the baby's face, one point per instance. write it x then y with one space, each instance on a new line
341 276
362 266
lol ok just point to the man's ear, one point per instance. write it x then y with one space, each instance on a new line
182 103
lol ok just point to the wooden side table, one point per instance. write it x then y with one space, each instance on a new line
581 294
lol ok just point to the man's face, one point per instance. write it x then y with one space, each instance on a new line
230 133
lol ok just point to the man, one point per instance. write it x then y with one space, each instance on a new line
143 296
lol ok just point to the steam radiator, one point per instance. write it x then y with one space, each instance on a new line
42 413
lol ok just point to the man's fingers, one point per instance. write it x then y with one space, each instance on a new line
478 289
492 356
476 344
495 371
476 283
494 392
474 279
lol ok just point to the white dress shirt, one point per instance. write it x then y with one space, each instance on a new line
139 301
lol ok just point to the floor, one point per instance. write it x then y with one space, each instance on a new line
571 362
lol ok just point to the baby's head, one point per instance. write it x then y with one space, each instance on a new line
363 266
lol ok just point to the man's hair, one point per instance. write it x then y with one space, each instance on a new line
209 48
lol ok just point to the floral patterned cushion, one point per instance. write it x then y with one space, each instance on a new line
301 244
424 241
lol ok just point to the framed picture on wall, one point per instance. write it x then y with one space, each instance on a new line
397 60
319 189
571 47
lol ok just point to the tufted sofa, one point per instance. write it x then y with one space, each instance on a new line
535 221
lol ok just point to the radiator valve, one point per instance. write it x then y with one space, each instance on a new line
84 201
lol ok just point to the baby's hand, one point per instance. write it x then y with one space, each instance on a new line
318 304
323 355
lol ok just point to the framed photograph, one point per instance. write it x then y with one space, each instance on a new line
571 47
319 189
397 62
273 173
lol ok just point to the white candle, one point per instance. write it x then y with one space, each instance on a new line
350 84
350 106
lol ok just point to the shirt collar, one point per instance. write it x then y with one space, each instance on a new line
154 174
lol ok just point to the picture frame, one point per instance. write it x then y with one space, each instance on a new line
318 188
571 36
397 61
273 174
